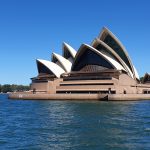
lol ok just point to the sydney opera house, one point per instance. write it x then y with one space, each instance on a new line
101 68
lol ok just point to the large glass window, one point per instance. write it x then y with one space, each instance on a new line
67 53
43 69
90 58
113 44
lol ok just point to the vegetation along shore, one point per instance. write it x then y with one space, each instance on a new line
13 88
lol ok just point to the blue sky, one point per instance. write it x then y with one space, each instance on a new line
31 29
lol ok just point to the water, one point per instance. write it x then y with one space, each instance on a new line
73 125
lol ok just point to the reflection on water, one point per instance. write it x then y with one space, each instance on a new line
58 125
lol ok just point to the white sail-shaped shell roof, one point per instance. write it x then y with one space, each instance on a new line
107 49
122 52
97 42
68 52
54 68
66 64
109 59
136 73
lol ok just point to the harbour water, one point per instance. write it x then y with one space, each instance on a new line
74 125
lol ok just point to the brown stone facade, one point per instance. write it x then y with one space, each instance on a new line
92 83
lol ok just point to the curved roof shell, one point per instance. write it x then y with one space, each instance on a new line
104 48
95 57
106 52
110 39
68 52
62 62
136 73
50 67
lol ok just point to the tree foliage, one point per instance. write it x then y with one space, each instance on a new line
141 79
13 88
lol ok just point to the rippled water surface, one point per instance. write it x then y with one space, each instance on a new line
74 125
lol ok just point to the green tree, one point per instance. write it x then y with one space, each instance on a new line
0 88
13 88
6 88
141 79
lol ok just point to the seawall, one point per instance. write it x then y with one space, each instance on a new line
110 97
26 96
